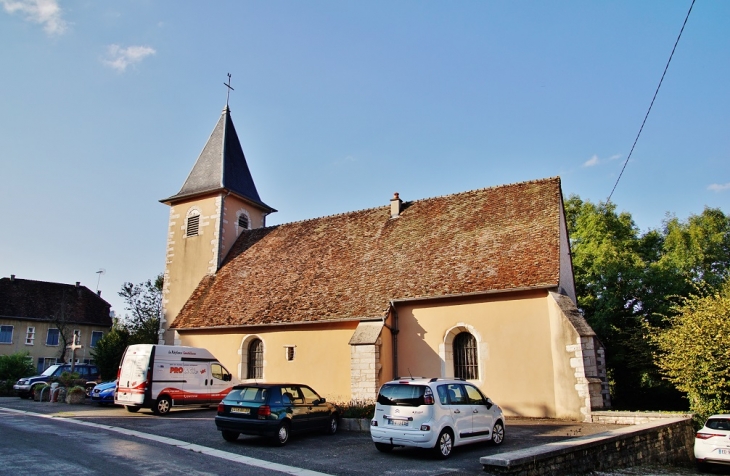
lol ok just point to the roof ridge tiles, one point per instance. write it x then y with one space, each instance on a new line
419 200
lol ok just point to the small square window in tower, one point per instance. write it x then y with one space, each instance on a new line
289 352
193 225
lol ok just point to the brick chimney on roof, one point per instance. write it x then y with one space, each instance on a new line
396 205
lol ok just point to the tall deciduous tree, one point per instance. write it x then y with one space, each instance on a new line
626 281
144 301
694 352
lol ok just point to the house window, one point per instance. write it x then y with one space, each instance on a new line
96 337
289 352
193 224
255 359
44 363
466 363
30 336
6 334
52 337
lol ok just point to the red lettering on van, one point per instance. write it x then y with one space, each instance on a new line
176 370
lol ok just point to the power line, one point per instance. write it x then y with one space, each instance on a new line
608 200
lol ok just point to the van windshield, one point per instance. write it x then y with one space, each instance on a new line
403 395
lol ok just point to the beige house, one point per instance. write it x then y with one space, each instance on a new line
40 318
476 285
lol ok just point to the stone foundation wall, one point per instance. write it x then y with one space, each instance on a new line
661 442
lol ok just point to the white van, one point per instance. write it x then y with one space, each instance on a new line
160 376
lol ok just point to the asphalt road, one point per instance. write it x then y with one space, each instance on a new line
89 439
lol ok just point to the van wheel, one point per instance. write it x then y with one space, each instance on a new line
444 444
383 447
131 409
282 434
163 405
332 425
230 435
498 433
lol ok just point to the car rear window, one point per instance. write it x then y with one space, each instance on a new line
403 395
718 424
248 395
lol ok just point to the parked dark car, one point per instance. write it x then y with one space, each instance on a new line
275 411
26 387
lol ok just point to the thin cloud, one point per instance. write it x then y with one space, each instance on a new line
119 58
717 187
592 161
595 160
43 12
346 160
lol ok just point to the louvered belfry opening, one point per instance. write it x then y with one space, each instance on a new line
193 225
256 359
466 364
243 222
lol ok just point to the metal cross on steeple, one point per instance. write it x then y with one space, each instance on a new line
228 85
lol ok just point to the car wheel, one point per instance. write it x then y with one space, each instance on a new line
24 396
282 434
163 405
132 409
332 425
230 435
498 433
444 444
383 447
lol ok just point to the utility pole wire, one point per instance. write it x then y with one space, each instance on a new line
608 200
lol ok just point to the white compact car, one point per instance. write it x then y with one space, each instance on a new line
434 413
712 442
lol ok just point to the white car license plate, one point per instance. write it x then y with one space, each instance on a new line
723 451
245 411
398 422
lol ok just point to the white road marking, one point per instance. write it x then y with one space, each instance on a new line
259 463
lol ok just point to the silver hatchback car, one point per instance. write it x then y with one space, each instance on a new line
434 413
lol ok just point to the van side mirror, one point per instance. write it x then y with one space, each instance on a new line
226 377
489 403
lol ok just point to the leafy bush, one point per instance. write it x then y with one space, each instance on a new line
15 366
693 351
357 409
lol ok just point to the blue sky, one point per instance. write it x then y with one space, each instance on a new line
104 107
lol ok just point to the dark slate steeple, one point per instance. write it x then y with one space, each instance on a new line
221 166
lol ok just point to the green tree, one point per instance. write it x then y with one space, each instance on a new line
110 349
144 301
15 366
694 353
626 281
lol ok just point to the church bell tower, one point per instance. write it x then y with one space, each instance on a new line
217 202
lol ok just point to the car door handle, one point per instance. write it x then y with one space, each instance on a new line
457 411
476 411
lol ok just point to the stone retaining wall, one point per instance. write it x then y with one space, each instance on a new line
633 418
667 441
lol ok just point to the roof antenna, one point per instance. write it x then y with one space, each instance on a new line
228 85
100 272
409 373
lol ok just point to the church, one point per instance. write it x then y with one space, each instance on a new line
476 285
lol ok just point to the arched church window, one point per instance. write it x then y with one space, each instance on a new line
466 363
255 359
192 227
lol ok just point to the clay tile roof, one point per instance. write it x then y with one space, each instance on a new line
40 300
351 265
